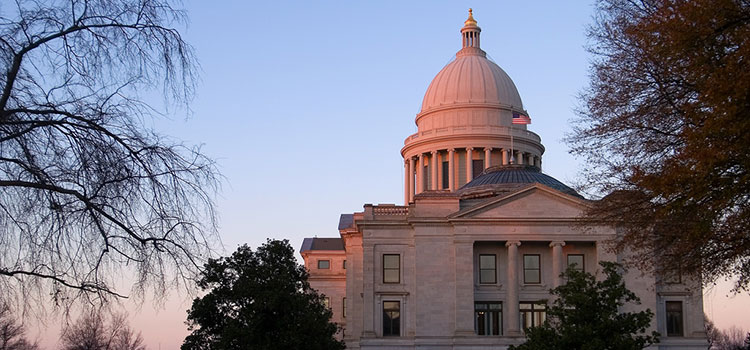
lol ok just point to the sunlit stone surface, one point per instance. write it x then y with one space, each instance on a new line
469 258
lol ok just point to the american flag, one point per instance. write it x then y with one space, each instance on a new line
519 118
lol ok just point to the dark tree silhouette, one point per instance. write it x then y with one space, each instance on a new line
13 333
585 314
259 300
93 331
88 189
732 339
665 130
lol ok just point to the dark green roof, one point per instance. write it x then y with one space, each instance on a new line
517 174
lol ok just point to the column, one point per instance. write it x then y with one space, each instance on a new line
420 174
487 156
504 152
411 179
406 182
531 159
368 295
557 263
464 259
513 320
434 173
519 157
451 170
469 167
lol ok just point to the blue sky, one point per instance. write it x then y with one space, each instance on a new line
306 104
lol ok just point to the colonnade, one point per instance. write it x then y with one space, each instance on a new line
415 181
511 297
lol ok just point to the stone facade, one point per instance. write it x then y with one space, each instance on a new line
468 261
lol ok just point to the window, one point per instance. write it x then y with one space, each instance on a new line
674 319
324 264
531 270
343 265
488 318
532 314
343 307
446 175
487 269
391 268
391 318
477 166
576 262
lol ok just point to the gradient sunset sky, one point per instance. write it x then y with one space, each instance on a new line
306 104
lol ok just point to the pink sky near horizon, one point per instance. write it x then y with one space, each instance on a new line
329 90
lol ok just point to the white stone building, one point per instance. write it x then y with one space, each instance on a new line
469 259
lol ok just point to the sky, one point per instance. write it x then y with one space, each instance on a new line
305 105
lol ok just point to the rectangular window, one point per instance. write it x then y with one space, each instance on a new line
343 307
461 169
446 175
477 166
674 319
343 265
391 268
576 262
391 318
487 269
488 318
324 264
532 314
531 269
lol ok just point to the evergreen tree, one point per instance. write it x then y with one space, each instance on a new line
585 315
259 300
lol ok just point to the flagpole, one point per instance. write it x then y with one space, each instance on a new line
511 145
517 118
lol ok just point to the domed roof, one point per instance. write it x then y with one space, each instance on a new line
514 175
471 79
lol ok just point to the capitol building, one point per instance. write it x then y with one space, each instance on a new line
468 260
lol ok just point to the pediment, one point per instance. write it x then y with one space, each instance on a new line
533 202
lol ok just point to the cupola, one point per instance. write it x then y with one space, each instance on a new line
466 123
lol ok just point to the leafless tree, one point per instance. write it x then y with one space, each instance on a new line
664 126
731 339
13 333
88 189
93 331
712 333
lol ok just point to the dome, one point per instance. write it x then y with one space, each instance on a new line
472 119
471 79
508 175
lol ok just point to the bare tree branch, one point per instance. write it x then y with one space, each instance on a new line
89 193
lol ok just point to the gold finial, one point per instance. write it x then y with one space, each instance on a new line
470 21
